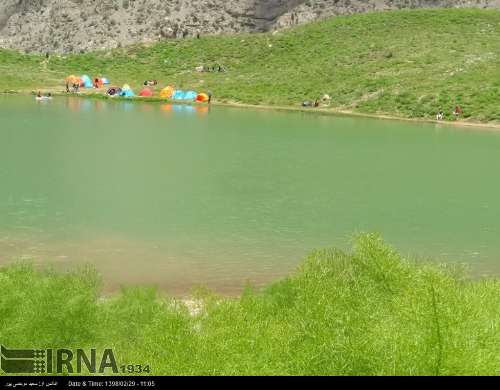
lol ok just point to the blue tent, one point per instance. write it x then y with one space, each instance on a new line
178 95
127 93
190 95
86 81
184 95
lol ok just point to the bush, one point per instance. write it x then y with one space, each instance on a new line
368 312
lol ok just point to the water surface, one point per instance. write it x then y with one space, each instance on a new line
180 196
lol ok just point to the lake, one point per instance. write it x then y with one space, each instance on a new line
181 196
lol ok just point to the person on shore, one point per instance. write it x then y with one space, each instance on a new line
209 97
39 95
310 103
458 111
67 87
440 115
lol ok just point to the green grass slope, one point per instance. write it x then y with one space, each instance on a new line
404 63
367 312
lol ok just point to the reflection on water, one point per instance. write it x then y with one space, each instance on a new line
78 105
185 109
169 195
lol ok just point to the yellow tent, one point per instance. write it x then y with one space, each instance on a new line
167 92
126 87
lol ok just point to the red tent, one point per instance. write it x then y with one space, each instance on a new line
146 92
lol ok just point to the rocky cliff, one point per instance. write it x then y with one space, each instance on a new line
63 26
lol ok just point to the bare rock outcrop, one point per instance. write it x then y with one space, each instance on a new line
64 26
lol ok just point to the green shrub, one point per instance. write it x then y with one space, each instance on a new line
368 312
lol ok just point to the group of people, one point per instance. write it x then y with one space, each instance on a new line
39 96
325 101
75 87
456 112
215 68
309 103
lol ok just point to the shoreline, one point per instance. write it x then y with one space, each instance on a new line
491 126
348 113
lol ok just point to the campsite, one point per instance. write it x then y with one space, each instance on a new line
74 83
315 199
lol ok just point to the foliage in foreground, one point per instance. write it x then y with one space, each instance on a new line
366 312
403 63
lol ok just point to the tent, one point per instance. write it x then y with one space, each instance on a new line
146 92
167 92
98 83
190 95
73 80
184 95
202 98
178 95
105 81
127 93
114 91
86 82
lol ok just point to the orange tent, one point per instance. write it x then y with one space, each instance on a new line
202 98
146 92
98 83
73 80
167 92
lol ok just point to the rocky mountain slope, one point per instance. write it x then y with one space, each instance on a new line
64 26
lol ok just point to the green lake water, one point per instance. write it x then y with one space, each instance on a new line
178 196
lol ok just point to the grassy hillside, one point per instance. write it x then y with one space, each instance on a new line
368 312
404 63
